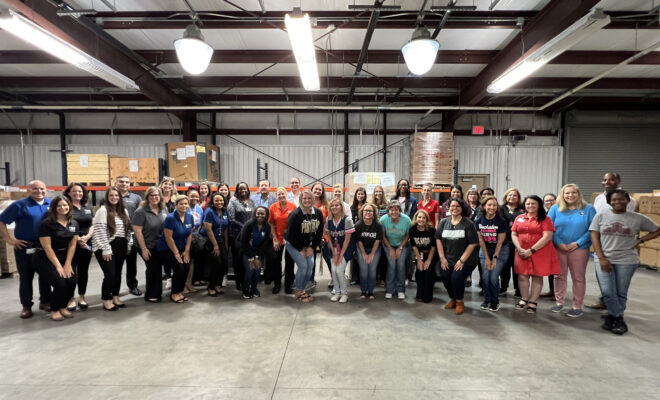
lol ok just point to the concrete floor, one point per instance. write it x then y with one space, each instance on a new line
276 348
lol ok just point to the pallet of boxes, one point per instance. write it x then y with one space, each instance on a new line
193 162
649 205
433 159
8 194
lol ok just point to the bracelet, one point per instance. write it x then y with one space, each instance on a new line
532 250
495 257
462 262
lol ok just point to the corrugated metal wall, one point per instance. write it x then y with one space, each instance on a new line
531 169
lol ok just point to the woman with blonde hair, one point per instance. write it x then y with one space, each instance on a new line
511 207
169 192
572 217
339 228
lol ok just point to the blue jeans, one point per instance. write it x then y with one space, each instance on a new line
368 271
395 280
614 286
305 266
491 278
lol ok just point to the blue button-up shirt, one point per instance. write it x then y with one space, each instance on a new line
27 214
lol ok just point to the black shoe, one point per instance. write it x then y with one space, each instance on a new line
256 293
276 289
288 290
609 323
239 287
246 296
135 291
619 327
113 308
83 305
468 283
484 305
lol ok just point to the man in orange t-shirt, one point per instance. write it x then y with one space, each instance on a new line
278 217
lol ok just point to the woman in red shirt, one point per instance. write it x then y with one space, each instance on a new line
277 218
429 205
536 257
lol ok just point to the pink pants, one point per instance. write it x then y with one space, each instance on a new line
576 262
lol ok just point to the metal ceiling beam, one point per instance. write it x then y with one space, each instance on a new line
69 29
335 82
373 20
498 19
590 57
548 23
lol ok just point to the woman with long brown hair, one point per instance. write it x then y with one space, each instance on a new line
83 215
110 243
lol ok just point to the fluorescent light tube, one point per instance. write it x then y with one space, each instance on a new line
32 33
568 38
300 35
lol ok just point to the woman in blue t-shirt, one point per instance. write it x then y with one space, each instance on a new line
493 253
215 229
396 226
174 246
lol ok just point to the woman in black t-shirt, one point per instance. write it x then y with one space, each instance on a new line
511 208
58 236
83 215
423 245
456 240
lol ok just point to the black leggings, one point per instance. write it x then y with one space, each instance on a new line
179 270
81 260
63 288
275 270
217 264
112 269
454 281
153 275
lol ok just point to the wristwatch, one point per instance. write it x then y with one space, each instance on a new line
532 250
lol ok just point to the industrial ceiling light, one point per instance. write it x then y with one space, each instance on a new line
582 28
300 35
193 52
420 51
32 33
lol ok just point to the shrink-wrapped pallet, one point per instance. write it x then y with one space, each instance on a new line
433 158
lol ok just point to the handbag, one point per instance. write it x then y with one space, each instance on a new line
198 243
255 262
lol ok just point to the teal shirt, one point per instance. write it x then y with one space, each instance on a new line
395 232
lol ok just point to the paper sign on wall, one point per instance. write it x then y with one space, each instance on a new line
213 155
360 179
190 150
201 149
133 165
180 153
387 180
84 161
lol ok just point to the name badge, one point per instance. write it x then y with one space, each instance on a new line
72 229
87 211
521 219
188 225
30 251
263 233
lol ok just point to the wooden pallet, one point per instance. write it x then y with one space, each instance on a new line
144 171
90 169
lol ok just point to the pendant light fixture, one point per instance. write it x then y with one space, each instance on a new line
193 52
420 52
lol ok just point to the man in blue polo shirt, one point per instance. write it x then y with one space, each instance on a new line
27 213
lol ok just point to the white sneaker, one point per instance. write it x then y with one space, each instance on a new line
401 296
388 295
344 298
334 297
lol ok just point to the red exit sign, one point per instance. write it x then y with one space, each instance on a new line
478 130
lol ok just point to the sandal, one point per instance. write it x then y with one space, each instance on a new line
530 309
181 300
521 304
212 292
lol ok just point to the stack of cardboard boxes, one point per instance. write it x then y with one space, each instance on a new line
8 195
649 205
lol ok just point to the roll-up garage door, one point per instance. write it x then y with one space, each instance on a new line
633 152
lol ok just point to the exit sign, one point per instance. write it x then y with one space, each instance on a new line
478 130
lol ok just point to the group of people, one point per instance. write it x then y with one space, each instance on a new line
193 238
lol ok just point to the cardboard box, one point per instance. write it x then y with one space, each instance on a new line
88 169
656 192
654 217
433 158
652 244
648 256
190 161
139 170
7 259
638 196
12 193
644 203
655 205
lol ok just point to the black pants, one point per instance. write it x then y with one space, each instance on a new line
275 266
63 288
382 268
81 260
355 269
217 265
179 270
551 282
153 275
454 281
425 282
131 268
112 269
26 266
237 263
202 267
508 270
